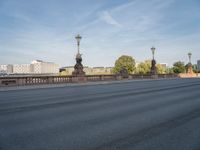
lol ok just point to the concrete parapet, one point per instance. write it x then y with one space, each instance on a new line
34 80
6 82
78 79
189 75
154 76
118 77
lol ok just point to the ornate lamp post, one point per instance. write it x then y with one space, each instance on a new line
190 55
78 39
153 51
78 68
153 62
190 69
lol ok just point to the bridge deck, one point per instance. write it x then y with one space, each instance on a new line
145 115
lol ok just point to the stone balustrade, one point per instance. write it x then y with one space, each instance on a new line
35 80
189 75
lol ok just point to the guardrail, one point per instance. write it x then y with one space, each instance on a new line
35 80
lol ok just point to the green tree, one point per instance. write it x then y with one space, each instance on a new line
145 68
179 67
170 70
161 69
126 62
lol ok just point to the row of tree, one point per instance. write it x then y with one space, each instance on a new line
180 67
128 62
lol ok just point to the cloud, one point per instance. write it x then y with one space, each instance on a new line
124 6
131 28
106 17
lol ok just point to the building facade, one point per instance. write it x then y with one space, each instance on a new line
6 69
36 67
100 70
164 65
41 67
88 70
22 69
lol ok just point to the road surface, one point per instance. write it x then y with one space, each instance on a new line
142 115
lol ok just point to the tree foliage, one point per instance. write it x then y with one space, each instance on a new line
179 67
145 68
126 62
169 70
161 69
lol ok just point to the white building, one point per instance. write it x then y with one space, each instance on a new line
22 68
6 68
164 65
41 67
36 67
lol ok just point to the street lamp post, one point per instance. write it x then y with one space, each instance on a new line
190 55
78 39
153 62
78 68
190 69
153 51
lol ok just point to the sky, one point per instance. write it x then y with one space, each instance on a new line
46 30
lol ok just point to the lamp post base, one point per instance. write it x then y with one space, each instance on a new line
153 68
78 68
190 70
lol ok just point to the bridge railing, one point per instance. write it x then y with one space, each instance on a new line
35 80
91 78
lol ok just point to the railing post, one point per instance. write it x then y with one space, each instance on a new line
79 79
119 77
101 78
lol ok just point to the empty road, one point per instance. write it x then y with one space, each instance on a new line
135 115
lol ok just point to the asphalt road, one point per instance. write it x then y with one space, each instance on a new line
143 115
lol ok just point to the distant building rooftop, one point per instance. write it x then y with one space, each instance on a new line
40 61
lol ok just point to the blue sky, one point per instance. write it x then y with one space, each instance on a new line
45 29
